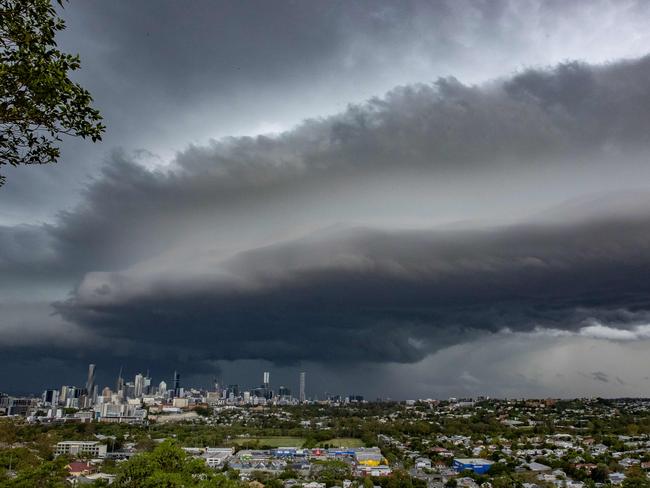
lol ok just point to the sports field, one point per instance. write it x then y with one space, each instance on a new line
343 442
270 441
295 441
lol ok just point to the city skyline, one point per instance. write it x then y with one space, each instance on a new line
143 385
140 381
414 199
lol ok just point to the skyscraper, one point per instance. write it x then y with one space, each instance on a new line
177 383
106 394
119 385
51 397
90 383
139 385
302 386
267 377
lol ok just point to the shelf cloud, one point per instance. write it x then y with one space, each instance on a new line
382 233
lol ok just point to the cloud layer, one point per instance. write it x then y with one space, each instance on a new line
366 295
431 217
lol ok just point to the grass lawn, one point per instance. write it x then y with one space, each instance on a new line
295 441
270 441
343 442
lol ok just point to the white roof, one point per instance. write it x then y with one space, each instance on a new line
473 461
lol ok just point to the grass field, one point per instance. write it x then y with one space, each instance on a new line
295 441
343 442
270 441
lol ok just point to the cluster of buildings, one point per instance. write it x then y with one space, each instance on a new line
518 441
466 442
362 460
130 400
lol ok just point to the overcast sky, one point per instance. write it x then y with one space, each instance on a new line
404 199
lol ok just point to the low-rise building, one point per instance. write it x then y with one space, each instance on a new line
79 448
477 465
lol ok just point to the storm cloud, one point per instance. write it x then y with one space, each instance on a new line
367 295
423 154
487 204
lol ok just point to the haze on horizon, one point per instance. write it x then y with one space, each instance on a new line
413 199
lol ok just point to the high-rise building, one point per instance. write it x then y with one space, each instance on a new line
119 385
177 383
129 389
267 377
51 397
63 396
106 394
232 390
90 383
302 386
146 390
162 388
138 384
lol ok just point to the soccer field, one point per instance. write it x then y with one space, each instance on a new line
295 441
270 441
343 442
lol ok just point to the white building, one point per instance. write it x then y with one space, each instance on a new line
77 448
215 457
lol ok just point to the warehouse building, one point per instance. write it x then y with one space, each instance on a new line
478 465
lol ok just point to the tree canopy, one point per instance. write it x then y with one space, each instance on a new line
38 101
168 465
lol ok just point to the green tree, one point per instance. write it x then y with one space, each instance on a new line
599 473
48 474
636 478
38 101
333 472
169 466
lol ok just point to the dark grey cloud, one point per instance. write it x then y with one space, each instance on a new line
365 295
166 74
221 254
410 152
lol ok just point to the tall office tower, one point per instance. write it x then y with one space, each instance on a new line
302 386
90 383
51 397
106 394
177 384
94 394
129 389
162 388
138 385
267 377
232 390
146 389
64 394
119 385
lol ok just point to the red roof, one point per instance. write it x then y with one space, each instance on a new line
79 467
